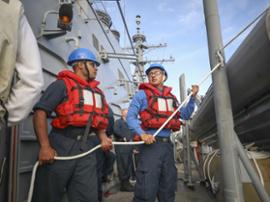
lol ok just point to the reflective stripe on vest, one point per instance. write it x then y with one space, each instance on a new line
85 100
165 104
160 106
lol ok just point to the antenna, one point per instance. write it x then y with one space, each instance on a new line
138 22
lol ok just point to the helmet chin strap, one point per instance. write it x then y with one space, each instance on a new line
164 78
88 73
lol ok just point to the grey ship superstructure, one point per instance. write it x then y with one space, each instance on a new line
88 28
248 79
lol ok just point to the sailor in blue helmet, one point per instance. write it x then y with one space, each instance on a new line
156 175
78 120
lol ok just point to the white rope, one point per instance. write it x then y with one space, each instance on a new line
208 171
33 177
205 162
30 193
251 154
186 99
257 167
65 158
255 156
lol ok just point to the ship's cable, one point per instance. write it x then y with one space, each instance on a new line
129 37
106 35
244 29
125 24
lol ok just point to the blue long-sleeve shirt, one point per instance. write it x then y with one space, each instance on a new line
139 103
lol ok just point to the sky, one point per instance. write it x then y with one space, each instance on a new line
181 25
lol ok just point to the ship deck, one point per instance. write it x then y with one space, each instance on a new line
184 194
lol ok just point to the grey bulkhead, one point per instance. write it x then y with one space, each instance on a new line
54 51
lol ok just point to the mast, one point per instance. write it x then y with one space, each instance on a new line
225 131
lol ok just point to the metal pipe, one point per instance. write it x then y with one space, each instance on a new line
122 57
230 164
249 65
182 88
183 95
251 172
13 165
189 183
185 155
196 164
173 137
110 53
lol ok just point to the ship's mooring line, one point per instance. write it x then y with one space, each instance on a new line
245 28
64 158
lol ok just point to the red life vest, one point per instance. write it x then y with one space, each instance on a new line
84 99
160 106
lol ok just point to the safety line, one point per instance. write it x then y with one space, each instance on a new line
243 30
186 99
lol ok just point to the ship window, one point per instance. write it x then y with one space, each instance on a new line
95 42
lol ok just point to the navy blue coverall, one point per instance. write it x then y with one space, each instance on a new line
123 153
156 175
105 159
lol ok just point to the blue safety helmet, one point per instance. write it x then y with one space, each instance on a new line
82 54
156 66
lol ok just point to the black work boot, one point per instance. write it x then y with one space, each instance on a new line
126 186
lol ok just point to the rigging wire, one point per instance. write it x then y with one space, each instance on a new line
129 37
106 35
125 24
243 30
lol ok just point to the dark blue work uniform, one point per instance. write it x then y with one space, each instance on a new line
105 159
156 175
76 177
123 153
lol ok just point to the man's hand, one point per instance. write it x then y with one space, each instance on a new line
148 138
135 151
194 90
106 142
46 155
